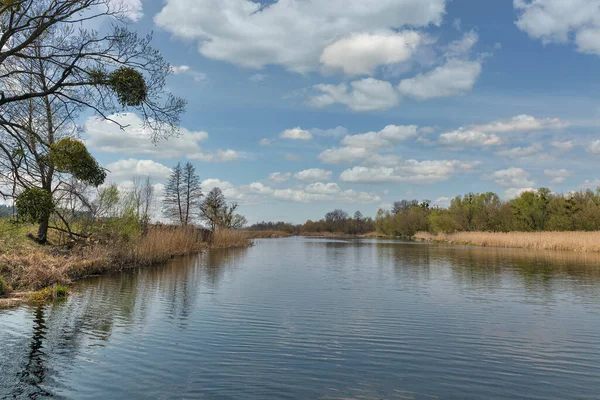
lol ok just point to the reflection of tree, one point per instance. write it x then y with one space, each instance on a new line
65 330
541 273
34 371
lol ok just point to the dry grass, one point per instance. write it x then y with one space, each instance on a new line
569 241
229 238
42 267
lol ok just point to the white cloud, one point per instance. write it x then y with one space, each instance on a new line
341 196
296 134
558 175
513 193
534 150
562 146
127 169
462 48
333 132
409 171
521 123
361 53
363 95
313 175
107 137
557 21
594 147
280 177
383 138
455 77
512 177
264 142
343 155
299 196
464 138
590 184
186 70
323 188
132 9
253 34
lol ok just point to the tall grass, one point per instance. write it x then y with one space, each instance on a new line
41 267
229 238
570 241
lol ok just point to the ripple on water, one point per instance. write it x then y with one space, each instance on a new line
314 318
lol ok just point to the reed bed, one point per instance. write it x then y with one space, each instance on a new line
41 267
229 238
563 241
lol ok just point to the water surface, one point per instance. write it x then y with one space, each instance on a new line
318 319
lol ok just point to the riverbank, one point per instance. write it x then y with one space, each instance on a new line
282 234
29 267
563 241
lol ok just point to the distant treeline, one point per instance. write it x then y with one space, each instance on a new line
5 211
336 221
539 210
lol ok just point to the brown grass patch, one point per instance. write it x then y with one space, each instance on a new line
229 238
41 267
569 241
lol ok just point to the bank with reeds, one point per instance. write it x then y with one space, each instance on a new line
28 268
562 241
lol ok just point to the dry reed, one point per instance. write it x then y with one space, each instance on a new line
567 241
41 267
229 238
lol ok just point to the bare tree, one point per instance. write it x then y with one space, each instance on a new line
183 195
51 69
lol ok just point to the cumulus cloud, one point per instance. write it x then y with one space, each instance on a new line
462 47
559 21
512 177
461 138
333 132
361 53
341 196
296 134
594 147
280 177
455 77
323 188
385 137
186 70
562 146
534 150
107 137
368 94
253 34
313 175
513 193
409 171
344 155
521 123
127 169
558 175
132 9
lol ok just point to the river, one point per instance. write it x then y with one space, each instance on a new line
303 318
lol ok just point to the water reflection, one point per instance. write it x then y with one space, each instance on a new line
316 318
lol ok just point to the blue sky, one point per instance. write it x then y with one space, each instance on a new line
297 107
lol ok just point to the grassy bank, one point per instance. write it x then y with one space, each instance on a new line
565 241
26 267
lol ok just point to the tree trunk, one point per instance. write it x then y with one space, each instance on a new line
42 236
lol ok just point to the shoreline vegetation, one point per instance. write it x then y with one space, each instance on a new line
30 272
559 241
